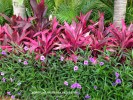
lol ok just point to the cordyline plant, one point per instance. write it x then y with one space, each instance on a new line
73 37
17 23
44 37
2 36
122 38
37 22
39 10
14 33
17 31
44 41
100 37
23 29
84 19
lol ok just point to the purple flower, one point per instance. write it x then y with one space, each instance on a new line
13 97
79 86
95 87
42 58
91 59
3 53
66 83
86 62
25 63
117 74
3 79
61 58
73 86
76 85
2 73
75 68
19 93
8 93
26 48
118 81
87 97
101 63
113 84
74 58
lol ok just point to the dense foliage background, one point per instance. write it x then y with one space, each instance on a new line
66 10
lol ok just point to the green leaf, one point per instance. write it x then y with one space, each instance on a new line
20 2
132 53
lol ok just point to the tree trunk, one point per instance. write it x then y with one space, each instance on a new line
19 8
119 12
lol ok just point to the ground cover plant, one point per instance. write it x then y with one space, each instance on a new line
25 78
43 59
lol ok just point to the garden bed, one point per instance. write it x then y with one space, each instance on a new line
41 59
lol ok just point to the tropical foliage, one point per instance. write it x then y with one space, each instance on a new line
72 8
43 36
80 59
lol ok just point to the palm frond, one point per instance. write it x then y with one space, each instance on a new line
58 2
51 5
4 5
99 5
6 8
67 14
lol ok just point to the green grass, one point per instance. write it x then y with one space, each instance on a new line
49 84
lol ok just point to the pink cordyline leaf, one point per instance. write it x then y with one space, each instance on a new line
84 18
33 44
130 28
62 46
100 37
128 43
1 33
8 30
43 34
14 36
44 41
1 29
73 37
8 48
39 10
123 37
101 23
